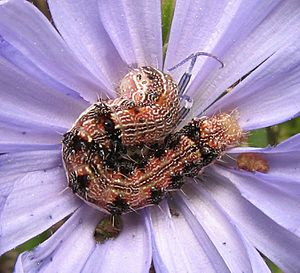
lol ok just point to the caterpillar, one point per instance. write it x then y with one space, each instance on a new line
121 155
135 186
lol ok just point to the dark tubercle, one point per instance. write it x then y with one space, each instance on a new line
208 154
126 167
115 161
177 182
109 126
78 184
99 110
172 141
192 168
156 195
141 161
114 155
118 207
111 161
92 148
191 131
82 181
71 142
157 150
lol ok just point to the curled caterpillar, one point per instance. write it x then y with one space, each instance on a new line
121 155
133 187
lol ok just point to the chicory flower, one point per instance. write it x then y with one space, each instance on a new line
49 75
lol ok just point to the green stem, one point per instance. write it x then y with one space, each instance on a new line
272 135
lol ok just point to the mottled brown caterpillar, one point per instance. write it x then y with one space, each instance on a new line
121 155
133 187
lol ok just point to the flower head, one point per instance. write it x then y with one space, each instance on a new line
49 76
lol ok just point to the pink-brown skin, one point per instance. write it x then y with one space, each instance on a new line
156 105
145 112
116 193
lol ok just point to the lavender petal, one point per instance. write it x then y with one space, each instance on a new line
274 85
129 252
23 162
273 240
242 34
18 137
80 25
21 61
135 29
210 26
235 249
24 100
30 33
227 240
213 27
257 262
266 197
66 250
73 249
290 144
32 195
181 245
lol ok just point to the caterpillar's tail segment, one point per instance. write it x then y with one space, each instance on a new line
221 131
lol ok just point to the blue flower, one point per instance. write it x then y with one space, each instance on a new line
49 76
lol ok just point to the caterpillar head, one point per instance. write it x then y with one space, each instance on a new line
146 85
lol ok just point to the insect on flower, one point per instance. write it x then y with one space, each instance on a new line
101 161
252 162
